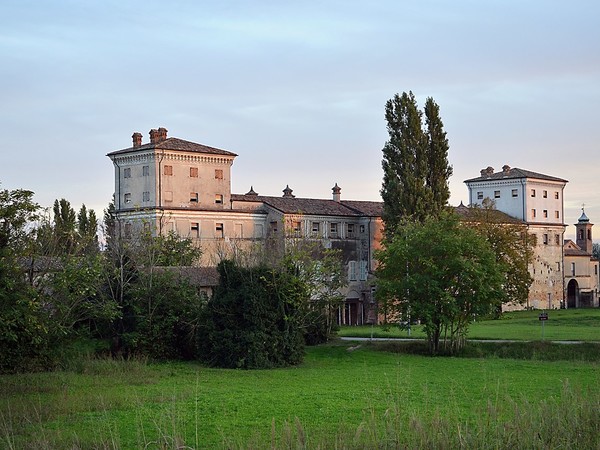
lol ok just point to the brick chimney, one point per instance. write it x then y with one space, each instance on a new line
137 139
505 169
337 193
162 134
153 136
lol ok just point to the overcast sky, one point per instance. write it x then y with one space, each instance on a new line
297 89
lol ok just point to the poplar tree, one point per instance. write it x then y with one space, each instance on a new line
415 162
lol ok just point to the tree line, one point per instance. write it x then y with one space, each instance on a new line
131 297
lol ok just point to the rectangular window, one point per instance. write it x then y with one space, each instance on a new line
218 174
480 195
146 171
219 232
195 229
533 192
545 239
168 196
352 271
595 270
572 269
361 229
273 227
193 197
557 214
146 196
545 194
297 227
219 199
128 230
333 229
515 192
363 271
557 239
316 227
496 194
193 172
127 173
127 198
545 213
558 267
556 195
168 170
533 213
350 230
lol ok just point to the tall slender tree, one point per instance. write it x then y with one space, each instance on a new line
415 162
438 169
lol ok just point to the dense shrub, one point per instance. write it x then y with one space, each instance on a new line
251 321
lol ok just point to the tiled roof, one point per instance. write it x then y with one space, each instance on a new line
474 214
515 173
175 144
313 206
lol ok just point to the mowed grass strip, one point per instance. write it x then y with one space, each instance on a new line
562 325
132 404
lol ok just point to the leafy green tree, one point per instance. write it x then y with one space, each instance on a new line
251 320
442 273
596 250
25 334
512 245
87 227
415 162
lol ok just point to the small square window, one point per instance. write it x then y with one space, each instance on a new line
480 195
146 171
515 192
168 170
545 212
168 196
533 192
127 198
496 194
273 227
545 194
218 174
146 196
127 173
193 197
219 199
193 172
316 227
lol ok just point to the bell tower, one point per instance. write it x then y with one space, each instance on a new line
584 232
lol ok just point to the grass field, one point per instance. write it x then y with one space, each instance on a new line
340 396
563 324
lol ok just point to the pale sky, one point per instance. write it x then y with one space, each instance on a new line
297 89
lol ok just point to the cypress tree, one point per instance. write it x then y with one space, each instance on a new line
415 162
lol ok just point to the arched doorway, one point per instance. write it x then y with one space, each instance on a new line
572 289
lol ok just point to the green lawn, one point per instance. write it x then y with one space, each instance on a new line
117 404
571 324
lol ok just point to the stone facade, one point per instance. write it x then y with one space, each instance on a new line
537 201
170 184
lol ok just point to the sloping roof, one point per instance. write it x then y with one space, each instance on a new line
474 214
177 144
570 248
314 206
515 173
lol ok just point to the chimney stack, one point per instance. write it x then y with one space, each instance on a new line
157 136
505 169
337 193
137 139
